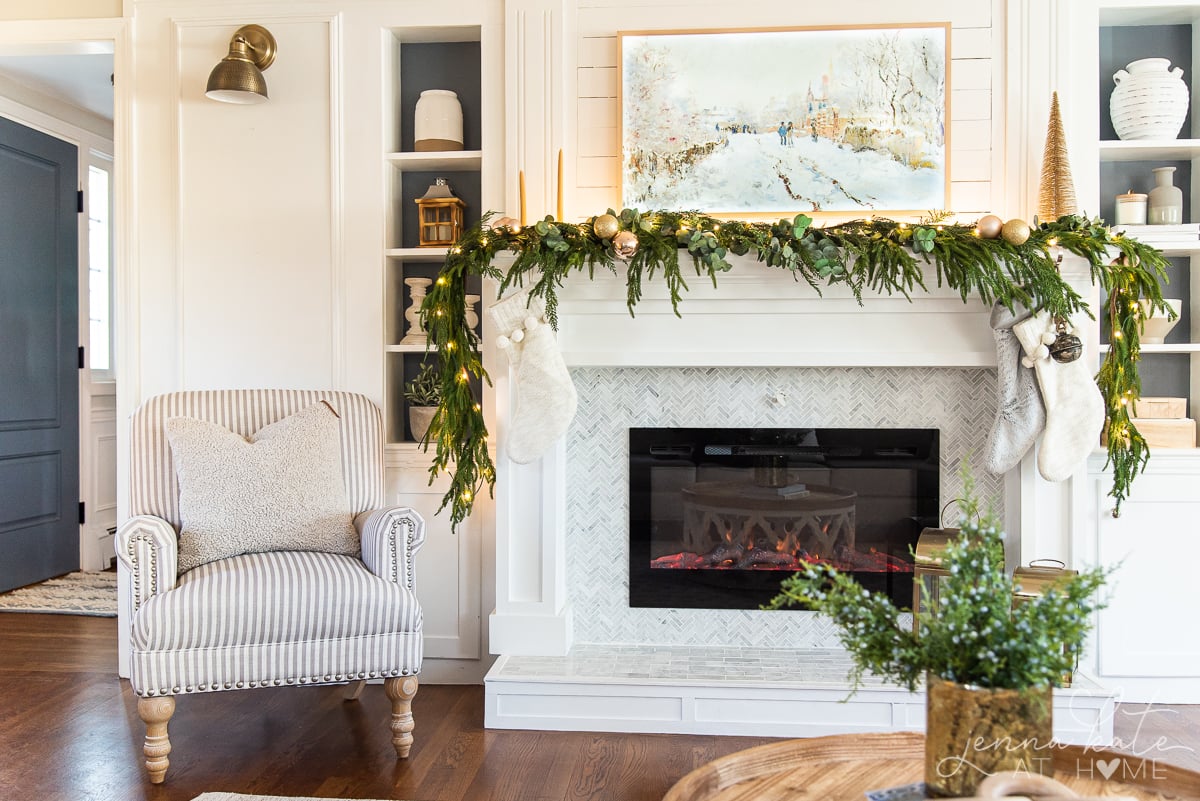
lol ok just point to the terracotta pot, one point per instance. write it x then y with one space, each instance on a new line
974 732
419 418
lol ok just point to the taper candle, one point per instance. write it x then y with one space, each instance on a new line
558 207
521 182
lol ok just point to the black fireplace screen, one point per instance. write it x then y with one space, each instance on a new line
719 516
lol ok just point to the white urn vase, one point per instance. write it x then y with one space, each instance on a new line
437 122
1150 100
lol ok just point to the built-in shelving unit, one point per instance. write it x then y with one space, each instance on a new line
1128 31
1136 649
423 58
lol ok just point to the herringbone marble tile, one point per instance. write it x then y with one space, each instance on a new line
959 402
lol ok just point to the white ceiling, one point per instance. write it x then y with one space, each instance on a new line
80 80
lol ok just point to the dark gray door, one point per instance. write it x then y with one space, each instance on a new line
39 340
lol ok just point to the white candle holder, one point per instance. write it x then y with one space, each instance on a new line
416 332
471 318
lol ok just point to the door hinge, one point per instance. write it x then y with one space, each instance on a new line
82 363
79 201
82 513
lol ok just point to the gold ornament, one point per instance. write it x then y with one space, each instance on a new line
606 226
989 226
1015 231
625 244
1056 191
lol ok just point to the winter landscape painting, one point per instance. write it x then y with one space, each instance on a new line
846 120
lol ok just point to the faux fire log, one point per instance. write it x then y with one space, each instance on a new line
723 552
762 556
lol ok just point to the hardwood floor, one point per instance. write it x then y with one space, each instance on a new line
69 732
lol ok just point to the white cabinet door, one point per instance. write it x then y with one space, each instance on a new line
449 569
1148 645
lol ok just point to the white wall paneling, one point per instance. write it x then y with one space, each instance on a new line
260 260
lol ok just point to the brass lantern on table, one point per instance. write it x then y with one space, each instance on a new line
440 216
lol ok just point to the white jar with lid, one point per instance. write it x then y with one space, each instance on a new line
1131 209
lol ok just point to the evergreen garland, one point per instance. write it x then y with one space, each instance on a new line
879 255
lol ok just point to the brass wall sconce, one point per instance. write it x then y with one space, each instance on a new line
238 77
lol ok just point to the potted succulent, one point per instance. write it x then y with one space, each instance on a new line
988 665
424 395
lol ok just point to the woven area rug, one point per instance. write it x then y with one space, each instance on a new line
83 593
240 797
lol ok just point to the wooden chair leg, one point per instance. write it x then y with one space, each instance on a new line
401 690
353 690
155 713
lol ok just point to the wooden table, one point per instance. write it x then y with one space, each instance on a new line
845 766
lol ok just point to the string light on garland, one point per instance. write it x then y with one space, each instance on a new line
878 255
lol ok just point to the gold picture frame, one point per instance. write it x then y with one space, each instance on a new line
759 122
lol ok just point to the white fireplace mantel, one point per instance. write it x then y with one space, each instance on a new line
762 316
758 316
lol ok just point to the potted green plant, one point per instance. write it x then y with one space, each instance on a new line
989 666
424 395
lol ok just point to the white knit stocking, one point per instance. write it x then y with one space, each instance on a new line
1074 405
546 396
1020 414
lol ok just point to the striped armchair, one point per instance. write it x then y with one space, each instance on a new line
267 619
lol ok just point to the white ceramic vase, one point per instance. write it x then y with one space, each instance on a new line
1166 199
1150 100
437 122
1156 325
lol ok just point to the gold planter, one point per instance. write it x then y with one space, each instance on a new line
973 732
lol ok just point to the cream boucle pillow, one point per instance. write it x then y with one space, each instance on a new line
279 490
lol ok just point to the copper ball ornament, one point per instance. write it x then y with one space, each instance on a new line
625 244
606 226
989 226
1015 232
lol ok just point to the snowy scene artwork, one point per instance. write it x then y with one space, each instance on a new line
830 120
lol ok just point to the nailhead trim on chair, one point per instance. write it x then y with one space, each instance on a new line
332 678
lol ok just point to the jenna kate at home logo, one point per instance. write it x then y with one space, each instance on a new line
1142 758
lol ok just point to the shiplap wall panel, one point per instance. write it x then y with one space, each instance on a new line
598 146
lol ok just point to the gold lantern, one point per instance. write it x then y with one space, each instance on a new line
1033 580
928 572
440 216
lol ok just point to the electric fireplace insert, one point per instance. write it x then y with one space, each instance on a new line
718 517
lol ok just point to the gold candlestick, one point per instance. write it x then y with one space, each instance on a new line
558 207
521 181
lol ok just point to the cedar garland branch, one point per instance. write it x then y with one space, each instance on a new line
876 255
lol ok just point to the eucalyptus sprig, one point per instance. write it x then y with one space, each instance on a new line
977 636
877 255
